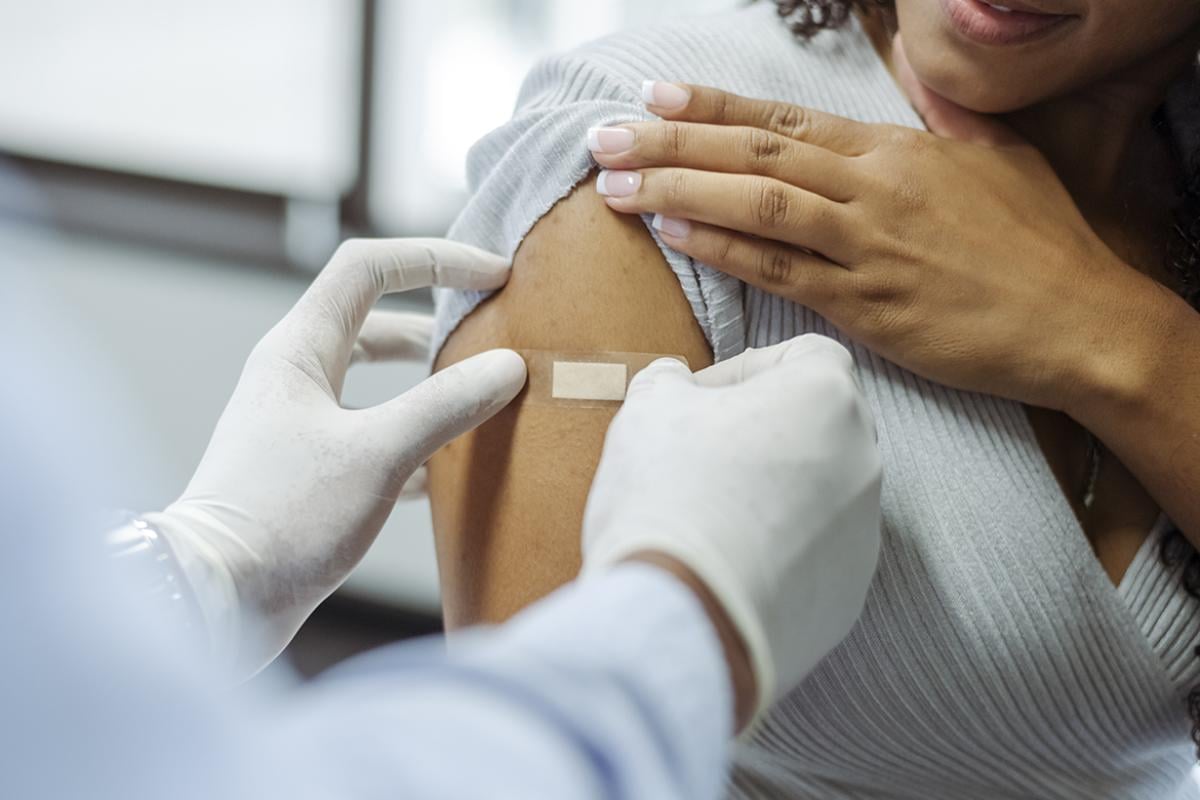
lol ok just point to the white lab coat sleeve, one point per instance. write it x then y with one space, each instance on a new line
615 687
612 688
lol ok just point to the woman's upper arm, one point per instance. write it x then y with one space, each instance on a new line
508 499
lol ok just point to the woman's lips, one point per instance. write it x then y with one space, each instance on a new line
987 24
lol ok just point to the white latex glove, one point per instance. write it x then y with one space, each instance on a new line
294 488
762 476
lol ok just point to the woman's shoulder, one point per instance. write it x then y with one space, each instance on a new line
748 51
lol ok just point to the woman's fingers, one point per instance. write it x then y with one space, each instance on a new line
747 203
793 274
691 103
720 148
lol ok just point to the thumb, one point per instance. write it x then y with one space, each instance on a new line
943 117
659 373
450 403
754 361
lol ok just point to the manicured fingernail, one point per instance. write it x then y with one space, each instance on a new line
675 228
665 95
617 183
609 140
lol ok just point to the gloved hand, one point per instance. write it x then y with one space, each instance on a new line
761 475
294 488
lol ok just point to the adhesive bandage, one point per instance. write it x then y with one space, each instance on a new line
583 379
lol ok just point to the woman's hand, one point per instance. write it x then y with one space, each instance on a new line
965 261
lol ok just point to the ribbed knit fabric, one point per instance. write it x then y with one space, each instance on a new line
994 657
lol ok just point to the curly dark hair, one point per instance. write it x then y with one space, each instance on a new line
806 18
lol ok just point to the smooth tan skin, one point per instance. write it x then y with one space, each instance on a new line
1118 522
508 499
1046 292
583 279
1099 84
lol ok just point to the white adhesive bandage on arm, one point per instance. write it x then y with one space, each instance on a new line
588 380
584 379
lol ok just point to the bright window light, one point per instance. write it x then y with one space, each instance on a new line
253 94
449 72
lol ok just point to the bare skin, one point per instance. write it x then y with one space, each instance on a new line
1131 214
517 540
1128 202
583 279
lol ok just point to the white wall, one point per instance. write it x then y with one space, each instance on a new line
256 94
261 94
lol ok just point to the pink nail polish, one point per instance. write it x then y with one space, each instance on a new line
665 95
617 183
675 228
609 140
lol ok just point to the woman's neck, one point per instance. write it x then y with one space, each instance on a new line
1099 139
1112 117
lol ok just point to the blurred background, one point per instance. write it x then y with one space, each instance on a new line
176 172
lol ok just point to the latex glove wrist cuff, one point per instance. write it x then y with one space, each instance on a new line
150 565
206 572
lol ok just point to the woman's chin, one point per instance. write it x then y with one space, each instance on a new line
983 102
972 88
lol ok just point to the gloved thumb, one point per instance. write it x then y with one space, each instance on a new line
756 361
659 373
450 403
944 117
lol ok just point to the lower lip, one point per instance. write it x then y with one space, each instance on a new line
981 23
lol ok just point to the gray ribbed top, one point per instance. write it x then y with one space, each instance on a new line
994 657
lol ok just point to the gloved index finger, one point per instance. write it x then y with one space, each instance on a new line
755 361
326 321
418 263
363 270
